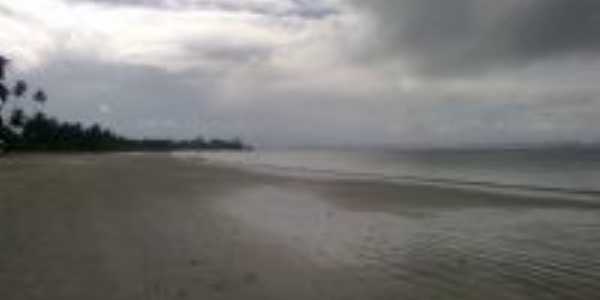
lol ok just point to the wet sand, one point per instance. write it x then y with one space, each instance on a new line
150 226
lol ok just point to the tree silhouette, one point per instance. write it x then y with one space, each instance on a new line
4 93
20 88
17 118
40 97
43 133
3 63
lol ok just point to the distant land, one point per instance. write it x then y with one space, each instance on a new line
37 132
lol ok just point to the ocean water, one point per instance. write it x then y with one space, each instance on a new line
366 241
556 172
467 252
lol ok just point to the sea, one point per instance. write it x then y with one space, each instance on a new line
369 241
570 173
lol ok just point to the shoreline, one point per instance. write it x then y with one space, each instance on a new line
151 226
486 195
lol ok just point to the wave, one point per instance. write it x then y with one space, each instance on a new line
530 174
490 186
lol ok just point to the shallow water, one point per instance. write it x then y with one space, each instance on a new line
499 252
567 173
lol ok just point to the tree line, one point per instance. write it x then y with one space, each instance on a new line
20 131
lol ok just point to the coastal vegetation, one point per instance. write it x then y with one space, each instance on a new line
32 130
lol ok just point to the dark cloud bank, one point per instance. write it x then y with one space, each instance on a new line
463 36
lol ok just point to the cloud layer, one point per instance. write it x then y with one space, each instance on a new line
297 72
453 37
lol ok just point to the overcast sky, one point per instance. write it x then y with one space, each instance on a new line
313 72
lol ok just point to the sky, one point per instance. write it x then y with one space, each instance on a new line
317 72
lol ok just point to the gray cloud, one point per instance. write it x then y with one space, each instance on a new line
310 9
438 37
228 52
137 100
432 72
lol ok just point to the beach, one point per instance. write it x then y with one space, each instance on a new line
156 226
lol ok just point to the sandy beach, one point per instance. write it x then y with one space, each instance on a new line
152 226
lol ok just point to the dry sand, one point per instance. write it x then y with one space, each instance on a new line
150 226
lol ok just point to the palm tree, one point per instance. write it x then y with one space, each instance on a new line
3 64
3 98
40 97
20 88
17 118
4 93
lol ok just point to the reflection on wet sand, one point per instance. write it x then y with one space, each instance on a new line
154 227
460 250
